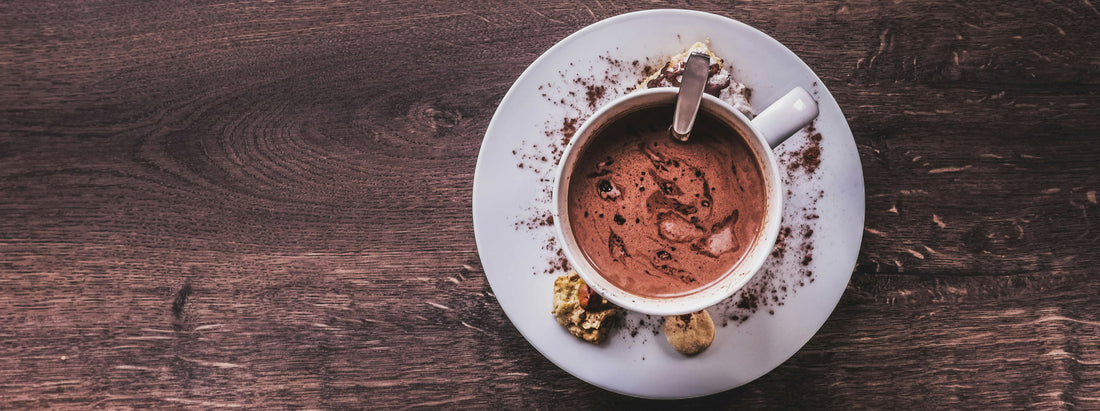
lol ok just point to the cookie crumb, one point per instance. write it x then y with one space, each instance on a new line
690 334
584 313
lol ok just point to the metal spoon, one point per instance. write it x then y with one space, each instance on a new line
689 96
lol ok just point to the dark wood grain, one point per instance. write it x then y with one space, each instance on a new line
267 204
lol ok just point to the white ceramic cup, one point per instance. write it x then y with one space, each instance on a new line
769 129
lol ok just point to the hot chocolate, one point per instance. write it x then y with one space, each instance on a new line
660 218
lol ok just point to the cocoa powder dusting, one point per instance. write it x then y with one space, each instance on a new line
808 158
593 94
568 128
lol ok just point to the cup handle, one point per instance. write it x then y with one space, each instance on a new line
786 116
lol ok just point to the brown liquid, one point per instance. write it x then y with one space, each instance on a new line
659 218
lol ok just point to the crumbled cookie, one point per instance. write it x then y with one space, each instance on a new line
690 334
669 75
585 314
720 81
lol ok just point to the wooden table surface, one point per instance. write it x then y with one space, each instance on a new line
208 204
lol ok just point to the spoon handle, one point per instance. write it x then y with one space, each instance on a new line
690 94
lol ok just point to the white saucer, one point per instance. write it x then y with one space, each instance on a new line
515 247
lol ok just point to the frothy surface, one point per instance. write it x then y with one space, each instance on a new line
659 218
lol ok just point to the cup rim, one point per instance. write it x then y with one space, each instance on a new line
738 275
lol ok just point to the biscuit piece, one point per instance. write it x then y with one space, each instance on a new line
585 314
690 334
